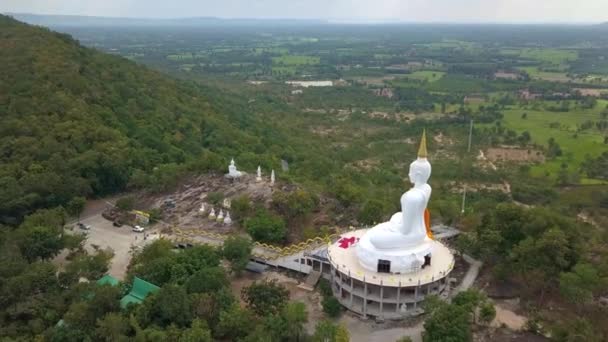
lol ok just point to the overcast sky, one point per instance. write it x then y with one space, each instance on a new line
536 11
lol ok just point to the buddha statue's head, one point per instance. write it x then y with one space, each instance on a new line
420 169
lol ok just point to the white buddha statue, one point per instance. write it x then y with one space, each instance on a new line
405 240
227 219
258 178
220 217
212 214
202 209
232 171
408 227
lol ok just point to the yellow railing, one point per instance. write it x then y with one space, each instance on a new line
276 251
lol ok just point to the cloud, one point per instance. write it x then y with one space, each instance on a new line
404 10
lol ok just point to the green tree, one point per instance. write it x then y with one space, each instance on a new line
263 298
207 280
101 300
112 327
331 306
579 285
487 313
170 305
293 205
372 212
326 331
235 323
198 332
215 198
576 330
296 316
39 242
266 227
449 323
240 207
126 203
237 250
76 205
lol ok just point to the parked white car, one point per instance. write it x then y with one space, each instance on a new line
138 229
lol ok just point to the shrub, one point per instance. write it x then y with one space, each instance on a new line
331 306
125 203
266 227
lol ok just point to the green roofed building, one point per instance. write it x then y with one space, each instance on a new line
139 291
108 280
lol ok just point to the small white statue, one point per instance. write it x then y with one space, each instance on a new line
227 219
259 176
227 203
202 209
233 173
272 178
220 217
212 214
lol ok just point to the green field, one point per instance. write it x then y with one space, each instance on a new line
186 56
575 149
296 60
535 73
271 50
451 44
283 70
551 56
426 75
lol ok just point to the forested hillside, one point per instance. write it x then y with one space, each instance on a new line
79 122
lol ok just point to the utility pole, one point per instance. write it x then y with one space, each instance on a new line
464 190
470 136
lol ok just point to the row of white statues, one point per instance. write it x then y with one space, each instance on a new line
234 173
219 217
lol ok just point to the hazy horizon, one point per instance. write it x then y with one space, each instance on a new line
379 11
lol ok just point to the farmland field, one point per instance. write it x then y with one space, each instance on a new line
426 75
295 60
576 145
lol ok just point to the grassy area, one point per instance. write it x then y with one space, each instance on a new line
426 75
535 73
574 146
295 60
550 56
271 50
283 70
451 44
186 56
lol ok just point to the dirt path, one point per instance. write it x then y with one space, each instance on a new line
470 276
505 315
367 331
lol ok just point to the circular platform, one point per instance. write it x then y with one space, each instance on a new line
343 257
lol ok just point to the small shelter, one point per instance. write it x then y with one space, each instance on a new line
139 291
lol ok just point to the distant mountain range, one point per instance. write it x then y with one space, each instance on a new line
76 20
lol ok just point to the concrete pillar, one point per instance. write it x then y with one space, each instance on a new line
398 296
364 298
416 295
351 290
340 274
381 294
321 268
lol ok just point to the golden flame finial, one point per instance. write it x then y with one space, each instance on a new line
422 150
